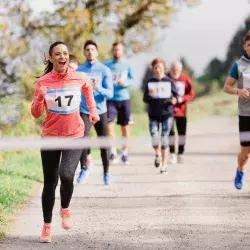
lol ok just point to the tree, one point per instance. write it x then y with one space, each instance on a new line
186 67
235 48
214 69
217 69
8 79
12 43
133 21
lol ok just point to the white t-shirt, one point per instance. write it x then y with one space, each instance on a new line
180 86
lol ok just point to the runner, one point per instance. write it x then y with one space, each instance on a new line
100 77
160 95
58 91
73 62
240 73
119 104
186 94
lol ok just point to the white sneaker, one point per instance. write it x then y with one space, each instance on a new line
113 158
172 158
124 159
163 169
180 158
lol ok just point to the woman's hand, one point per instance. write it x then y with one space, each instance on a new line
243 93
152 92
173 100
93 117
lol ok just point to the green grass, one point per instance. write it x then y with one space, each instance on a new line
19 173
219 103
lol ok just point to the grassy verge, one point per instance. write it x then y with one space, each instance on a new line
19 173
214 104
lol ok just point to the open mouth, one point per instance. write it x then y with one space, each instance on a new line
62 63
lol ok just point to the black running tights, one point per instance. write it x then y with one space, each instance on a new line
63 164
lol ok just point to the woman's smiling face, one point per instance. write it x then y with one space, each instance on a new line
159 70
60 58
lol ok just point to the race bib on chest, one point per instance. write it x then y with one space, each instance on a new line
64 100
246 79
119 76
160 89
180 86
94 78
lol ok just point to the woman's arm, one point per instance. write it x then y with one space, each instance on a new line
38 103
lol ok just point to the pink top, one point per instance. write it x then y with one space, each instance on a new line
62 102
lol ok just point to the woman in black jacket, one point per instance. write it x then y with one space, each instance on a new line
160 95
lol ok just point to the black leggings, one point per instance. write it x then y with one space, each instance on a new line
181 125
101 128
57 163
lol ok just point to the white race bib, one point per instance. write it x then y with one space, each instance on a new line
119 76
246 79
161 89
64 100
180 86
94 78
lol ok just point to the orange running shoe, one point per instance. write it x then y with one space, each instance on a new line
46 236
66 218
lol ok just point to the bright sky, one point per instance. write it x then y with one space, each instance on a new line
203 32
198 33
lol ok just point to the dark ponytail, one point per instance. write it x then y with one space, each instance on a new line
48 68
48 63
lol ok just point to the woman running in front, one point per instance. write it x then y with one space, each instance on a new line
240 73
160 95
58 92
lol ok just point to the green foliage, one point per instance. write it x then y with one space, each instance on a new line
214 72
133 21
28 79
235 49
26 125
74 21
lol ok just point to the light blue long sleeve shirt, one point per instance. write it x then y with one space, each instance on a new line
97 72
120 71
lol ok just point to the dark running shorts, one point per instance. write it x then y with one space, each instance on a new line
244 127
119 109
